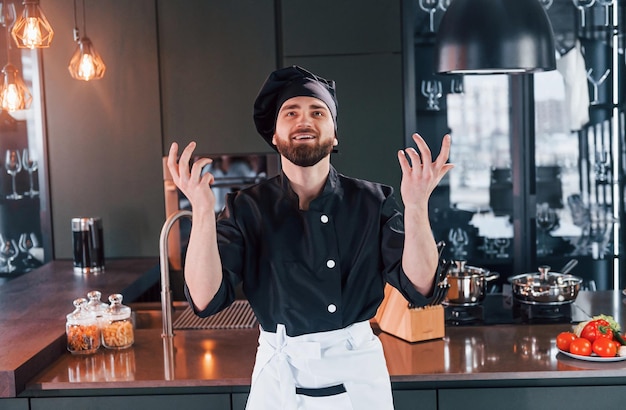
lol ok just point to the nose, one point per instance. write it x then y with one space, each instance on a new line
303 122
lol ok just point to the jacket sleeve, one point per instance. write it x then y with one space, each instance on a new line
392 246
231 247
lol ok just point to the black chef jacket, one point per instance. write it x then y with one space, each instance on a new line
315 270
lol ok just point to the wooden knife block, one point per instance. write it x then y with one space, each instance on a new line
413 325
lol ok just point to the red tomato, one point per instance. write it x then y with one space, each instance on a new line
580 346
564 339
604 347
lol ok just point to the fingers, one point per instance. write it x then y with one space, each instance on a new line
404 163
425 154
179 167
197 167
424 149
185 157
444 153
171 160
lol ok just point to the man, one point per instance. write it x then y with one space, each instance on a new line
313 250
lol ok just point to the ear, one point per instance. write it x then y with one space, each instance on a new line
335 142
274 139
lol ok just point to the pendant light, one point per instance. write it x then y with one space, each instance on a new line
494 37
14 95
32 29
85 64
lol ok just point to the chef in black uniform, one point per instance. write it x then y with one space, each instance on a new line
313 250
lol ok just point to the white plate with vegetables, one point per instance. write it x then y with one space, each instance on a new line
596 340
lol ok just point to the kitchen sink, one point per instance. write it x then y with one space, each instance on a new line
148 315
239 315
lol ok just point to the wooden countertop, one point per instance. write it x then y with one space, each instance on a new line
33 309
502 355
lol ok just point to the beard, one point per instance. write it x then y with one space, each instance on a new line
304 155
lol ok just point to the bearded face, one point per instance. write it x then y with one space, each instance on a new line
304 155
305 131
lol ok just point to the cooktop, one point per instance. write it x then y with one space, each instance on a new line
502 308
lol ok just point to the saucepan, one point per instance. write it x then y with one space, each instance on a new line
545 287
467 284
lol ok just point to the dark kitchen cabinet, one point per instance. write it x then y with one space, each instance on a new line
359 45
532 398
155 402
214 56
415 399
239 401
14 404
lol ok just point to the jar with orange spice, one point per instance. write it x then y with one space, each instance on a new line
117 325
82 329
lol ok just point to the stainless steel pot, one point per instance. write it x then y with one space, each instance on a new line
467 284
545 287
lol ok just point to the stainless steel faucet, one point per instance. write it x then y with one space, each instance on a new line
166 292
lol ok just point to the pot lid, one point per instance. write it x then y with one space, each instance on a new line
545 277
460 268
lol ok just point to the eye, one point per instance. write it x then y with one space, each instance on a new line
318 113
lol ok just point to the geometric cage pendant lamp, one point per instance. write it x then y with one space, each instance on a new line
85 64
494 37
32 30
14 95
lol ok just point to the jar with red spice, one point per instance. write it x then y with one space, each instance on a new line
82 329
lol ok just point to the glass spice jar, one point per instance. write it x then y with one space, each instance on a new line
117 326
82 329
96 306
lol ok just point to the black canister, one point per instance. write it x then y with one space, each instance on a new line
88 245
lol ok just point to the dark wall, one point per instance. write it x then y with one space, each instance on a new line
189 70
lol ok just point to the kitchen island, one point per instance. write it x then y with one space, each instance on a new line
33 309
513 366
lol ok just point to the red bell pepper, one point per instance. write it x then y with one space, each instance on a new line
595 329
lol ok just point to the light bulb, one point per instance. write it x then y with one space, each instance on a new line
86 68
11 98
31 33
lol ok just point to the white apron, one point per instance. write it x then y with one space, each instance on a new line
339 369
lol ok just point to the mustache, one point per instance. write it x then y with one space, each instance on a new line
307 130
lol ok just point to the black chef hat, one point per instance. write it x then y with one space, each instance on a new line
284 84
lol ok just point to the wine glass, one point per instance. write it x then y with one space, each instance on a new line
456 85
502 244
546 3
606 4
582 5
430 7
596 84
8 252
459 239
601 167
444 4
7 13
13 165
432 90
29 162
27 242
547 220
